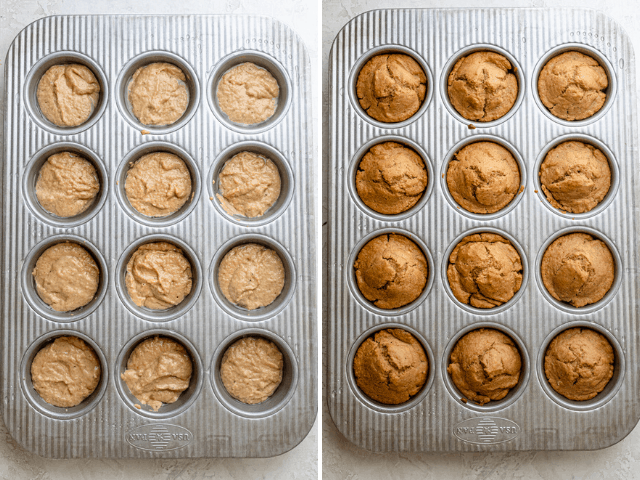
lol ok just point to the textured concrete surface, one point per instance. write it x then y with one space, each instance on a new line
299 463
341 459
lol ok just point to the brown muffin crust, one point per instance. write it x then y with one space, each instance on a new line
391 88
579 363
391 178
391 367
578 269
483 177
482 86
391 271
485 270
575 177
571 86
485 365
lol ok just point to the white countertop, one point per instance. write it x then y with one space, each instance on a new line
341 459
299 463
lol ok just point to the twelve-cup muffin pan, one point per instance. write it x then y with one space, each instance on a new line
205 421
532 416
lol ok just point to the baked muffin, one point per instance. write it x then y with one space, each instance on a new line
575 177
483 177
391 271
391 178
579 363
482 86
485 365
485 270
578 269
391 87
571 85
391 366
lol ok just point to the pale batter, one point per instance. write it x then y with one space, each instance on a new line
251 276
66 277
67 184
158 371
158 276
251 369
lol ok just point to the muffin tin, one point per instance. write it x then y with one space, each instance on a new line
532 416
205 421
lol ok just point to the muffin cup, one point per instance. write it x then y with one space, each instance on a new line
31 89
466 51
609 391
280 397
588 50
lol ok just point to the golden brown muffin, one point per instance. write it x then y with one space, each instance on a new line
575 177
68 94
65 372
67 184
579 363
158 94
391 178
482 86
391 367
485 270
391 271
483 177
251 369
578 269
571 85
158 371
66 277
485 365
391 88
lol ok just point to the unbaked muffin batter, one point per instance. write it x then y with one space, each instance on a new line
485 365
249 184
67 184
578 269
158 371
158 184
483 177
68 94
66 277
579 363
391 271
482 86
158 276
485 270
571 85
251 369
391 178
248 94
391 88
65 372
158 94
251 276
575 177
391 366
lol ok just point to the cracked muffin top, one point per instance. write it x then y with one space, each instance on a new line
579 363
483 177
482 86
391 271
391 178
391 88
485 270
575 177
391 367
571 85
578 269
485 365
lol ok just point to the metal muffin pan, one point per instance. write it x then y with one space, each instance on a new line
205 421
532 416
